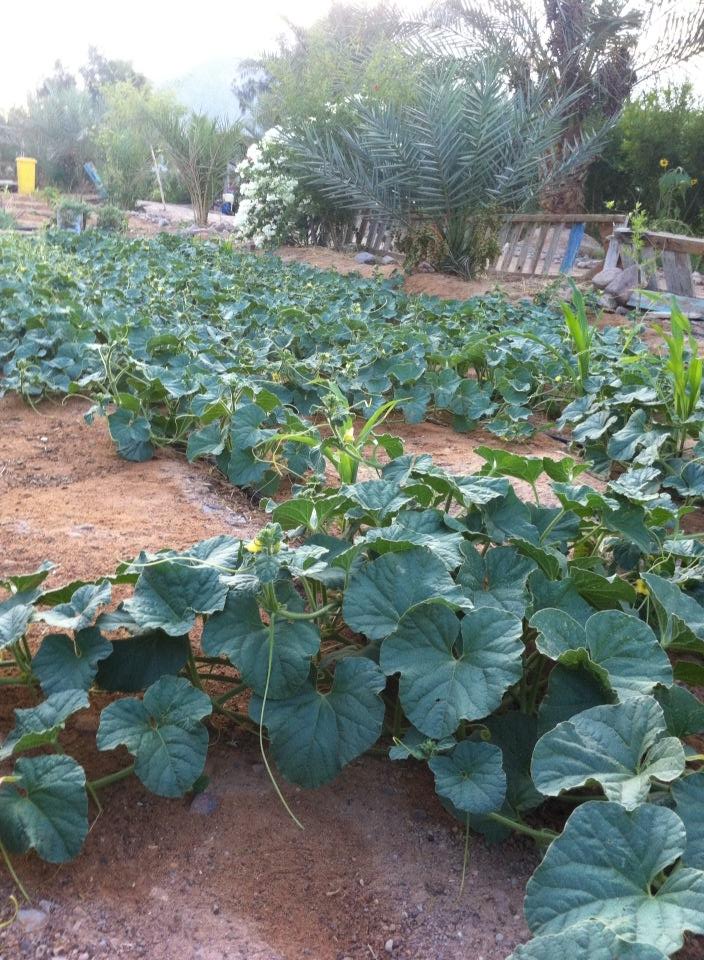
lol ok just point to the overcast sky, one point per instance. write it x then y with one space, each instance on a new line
163 40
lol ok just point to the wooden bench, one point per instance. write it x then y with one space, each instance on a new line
666 264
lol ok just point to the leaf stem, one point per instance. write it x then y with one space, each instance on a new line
542 836
111 778
272 625
15 879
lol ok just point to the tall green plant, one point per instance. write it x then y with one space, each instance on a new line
464 149
200 148
685 370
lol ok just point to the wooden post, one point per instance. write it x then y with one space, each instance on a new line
158 177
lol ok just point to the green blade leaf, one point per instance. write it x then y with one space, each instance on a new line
471 777
621 747
81 610
590 940
688 795
238 633
383 590
313 734
37 726
452 671
46 809
163 732
62 663
603 867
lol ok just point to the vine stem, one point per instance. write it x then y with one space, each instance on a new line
110 778
465 859
272 624
15 879
544 836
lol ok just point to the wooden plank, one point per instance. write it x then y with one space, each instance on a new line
678 273
505 263
552 248
610 218
613 253
528 235
676 242
540 243
573 243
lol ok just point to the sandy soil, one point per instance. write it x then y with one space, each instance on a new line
379 859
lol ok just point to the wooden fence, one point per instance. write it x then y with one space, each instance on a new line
544 244
531 243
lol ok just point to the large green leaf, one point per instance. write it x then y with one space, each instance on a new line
590 940
680 617
14 620
471 777
688 794
422 528
170 592
684 713
314 734
451 670
46 809
163 732
132 435
238 633
65 663
606 865
383 590
36 726
137 662
81 610
616 645
621 747
496 579
516 734
570 690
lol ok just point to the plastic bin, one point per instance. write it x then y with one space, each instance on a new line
26 174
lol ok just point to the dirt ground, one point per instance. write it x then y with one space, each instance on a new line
379 860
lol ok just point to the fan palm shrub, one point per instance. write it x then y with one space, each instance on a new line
200 149
465 150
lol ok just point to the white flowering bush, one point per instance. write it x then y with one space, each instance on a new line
272 209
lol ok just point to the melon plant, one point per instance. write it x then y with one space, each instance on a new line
532 656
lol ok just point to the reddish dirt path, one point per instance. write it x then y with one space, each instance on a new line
379 859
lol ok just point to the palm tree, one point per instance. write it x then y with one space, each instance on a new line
200 149
466 149
598 48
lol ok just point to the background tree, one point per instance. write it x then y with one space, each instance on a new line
596 49
465 149
99 73
350 51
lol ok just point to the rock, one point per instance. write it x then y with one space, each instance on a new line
205 804
607 302
622 287
31 919
591 247
605 277
163 222
587 263
425 267
364 257
389 946
387 260
622 311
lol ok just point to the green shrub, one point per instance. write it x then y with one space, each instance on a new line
111 219
665 125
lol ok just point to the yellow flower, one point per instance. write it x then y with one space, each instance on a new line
642 588
664 163
348 435
254 546
693 182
